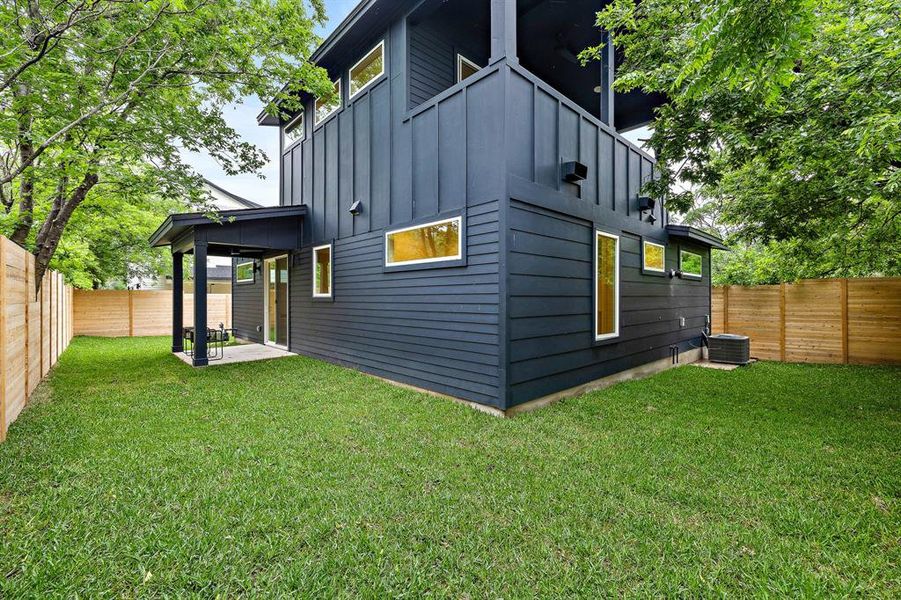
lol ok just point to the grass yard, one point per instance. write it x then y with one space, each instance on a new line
132 474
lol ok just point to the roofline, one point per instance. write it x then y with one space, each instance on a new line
233 196
697 235
327 44
242 214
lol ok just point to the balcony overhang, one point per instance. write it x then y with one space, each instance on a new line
696 235
250 233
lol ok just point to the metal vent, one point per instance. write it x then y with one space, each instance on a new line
730 348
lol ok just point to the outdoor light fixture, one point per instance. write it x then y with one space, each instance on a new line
574 171
356 208
646 203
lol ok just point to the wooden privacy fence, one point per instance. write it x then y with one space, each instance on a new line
115 313
34 328
817 320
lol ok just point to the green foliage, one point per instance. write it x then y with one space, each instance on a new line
109 95
785 115
139 476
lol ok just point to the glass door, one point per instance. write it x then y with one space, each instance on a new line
277 301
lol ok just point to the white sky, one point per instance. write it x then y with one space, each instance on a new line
243 118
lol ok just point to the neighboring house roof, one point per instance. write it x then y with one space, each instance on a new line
227 199
219 272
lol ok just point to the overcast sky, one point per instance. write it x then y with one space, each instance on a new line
243 118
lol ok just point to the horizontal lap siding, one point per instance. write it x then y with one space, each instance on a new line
551 305
433 328
247 308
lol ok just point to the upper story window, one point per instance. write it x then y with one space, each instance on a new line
654 257
465 68
690 264
292 132
324 110
430 242
606 286
367 70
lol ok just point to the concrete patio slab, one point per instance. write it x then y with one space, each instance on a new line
243 353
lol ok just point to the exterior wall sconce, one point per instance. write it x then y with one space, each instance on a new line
356 208
574 171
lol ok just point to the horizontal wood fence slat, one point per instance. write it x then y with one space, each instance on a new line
115 313
854 321
35 328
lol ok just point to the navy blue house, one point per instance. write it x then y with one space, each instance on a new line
466 218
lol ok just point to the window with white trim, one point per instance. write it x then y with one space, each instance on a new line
244 272
653 257
324 110
606 285
691 263
465 68
292 132
429 242
368 69
322 271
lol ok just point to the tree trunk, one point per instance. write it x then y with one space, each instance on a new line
26 187
50 235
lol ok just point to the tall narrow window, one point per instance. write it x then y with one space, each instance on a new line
654 257
690 264
292 132
322 271
465 67
606 283
367 70
324 110
431 242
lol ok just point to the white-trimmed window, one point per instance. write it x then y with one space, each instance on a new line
244 272
324 110
322 271
429 242
465 67
606 285
691 263
292 132
653 257
368 69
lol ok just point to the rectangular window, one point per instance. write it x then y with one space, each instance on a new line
324 110
654 257
606 284
370 68
292 132
244 272
465 68
322 271
431 242
690 263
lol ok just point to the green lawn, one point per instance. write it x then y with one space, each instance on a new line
134 474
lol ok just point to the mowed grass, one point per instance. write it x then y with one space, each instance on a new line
136 475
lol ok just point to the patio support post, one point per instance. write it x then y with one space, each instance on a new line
607 64
178 279
200 292
503 31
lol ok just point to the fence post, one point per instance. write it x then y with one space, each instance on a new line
782 322
844 301
725 309
131 315
2 338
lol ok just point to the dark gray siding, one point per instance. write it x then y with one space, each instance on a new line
247 308
432 68
551 305
434 328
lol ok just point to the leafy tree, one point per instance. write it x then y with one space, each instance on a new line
784 116
106 94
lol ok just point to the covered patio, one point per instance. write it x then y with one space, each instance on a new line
248 233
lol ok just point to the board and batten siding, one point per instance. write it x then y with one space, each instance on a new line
247 307
551 305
